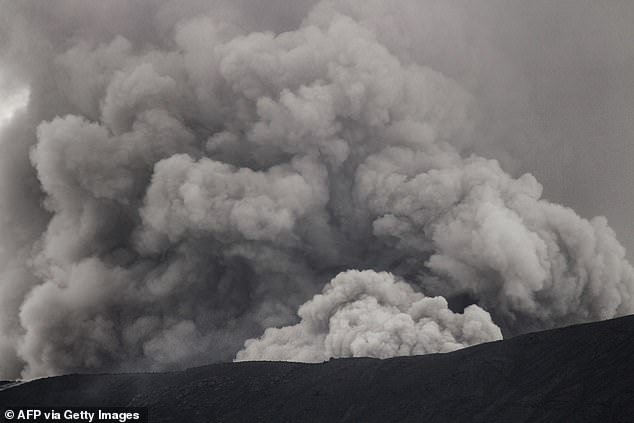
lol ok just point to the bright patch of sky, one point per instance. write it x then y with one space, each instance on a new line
11 103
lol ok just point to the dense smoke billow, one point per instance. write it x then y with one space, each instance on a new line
201 181
369 314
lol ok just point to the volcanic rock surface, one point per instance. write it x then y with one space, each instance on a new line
582 373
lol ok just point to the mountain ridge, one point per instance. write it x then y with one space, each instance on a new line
578 373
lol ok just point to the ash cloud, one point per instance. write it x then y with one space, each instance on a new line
369 314
187 176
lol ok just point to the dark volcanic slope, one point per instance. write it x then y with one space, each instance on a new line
582 373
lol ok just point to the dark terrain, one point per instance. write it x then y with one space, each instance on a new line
582 373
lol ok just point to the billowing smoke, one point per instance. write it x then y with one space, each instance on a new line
183 179
369 314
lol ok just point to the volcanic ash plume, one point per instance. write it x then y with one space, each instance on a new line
369 314
171 194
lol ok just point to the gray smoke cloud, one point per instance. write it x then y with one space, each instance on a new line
188 177
370 314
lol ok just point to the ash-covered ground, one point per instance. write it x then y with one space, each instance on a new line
582 373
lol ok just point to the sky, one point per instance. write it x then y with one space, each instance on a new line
12 103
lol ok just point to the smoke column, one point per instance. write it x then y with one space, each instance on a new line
197 182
